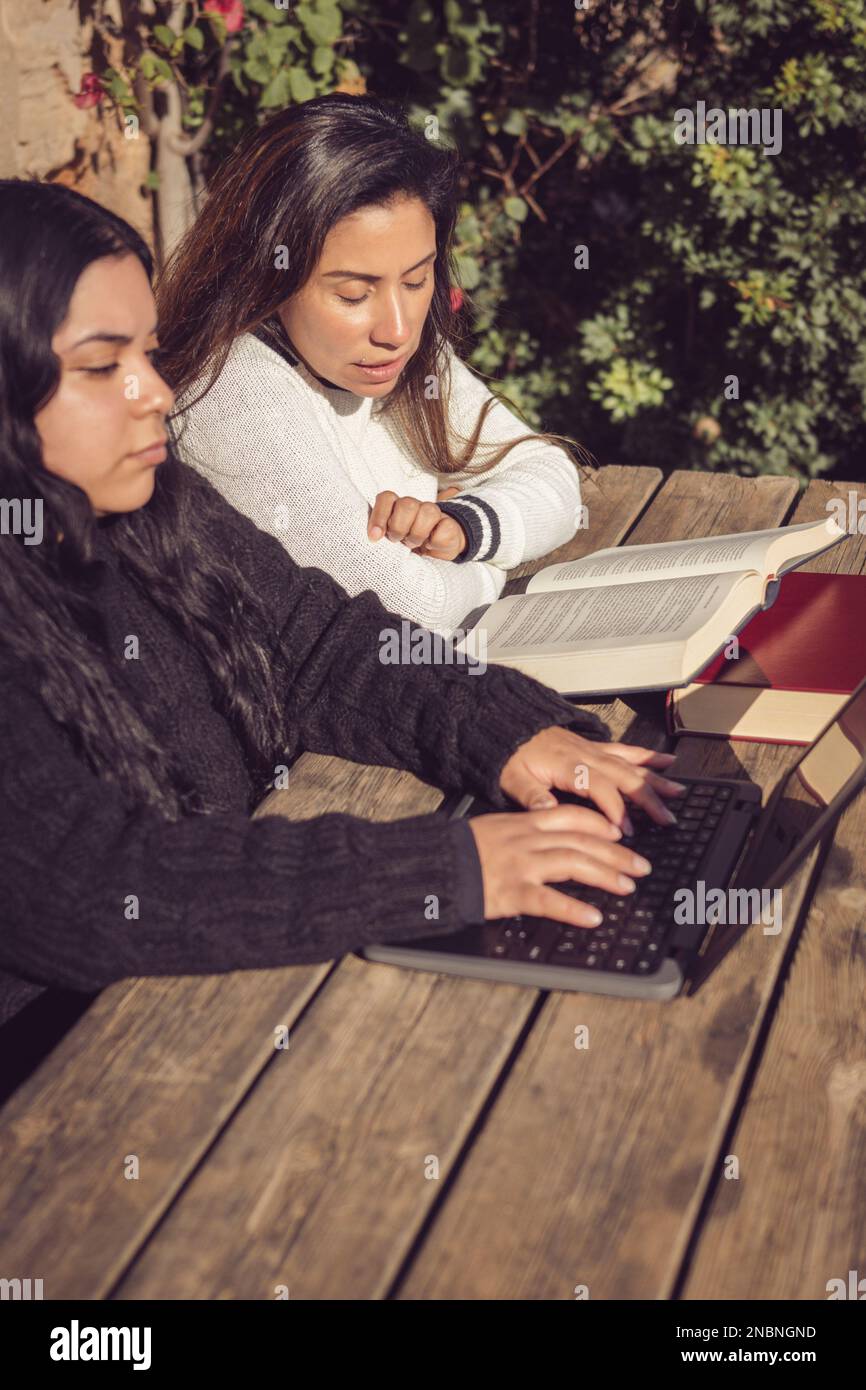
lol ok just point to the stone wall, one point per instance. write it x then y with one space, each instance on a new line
44 51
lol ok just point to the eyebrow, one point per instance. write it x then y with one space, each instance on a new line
109 338
359 275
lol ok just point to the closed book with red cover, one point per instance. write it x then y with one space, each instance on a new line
798 662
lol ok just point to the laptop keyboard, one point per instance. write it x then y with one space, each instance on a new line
633 936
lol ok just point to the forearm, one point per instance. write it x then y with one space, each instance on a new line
443 719
221 893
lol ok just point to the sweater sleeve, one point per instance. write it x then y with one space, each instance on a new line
254 436
451 723
94 891
530 502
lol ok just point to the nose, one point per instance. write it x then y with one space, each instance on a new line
155 394
393 328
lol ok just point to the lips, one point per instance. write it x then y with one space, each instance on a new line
157 444
390 362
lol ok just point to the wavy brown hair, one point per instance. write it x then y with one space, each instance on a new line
286 185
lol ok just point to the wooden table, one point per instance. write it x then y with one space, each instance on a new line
427 1137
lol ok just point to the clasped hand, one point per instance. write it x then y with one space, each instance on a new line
419 525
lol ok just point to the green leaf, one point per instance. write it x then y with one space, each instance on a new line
515 123
194 37
276 43
277 92
218 22
516 209
301 84
164 35
469 271
323 26
119 88
164 70
323 60
258 70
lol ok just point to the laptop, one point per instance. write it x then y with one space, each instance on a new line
717 873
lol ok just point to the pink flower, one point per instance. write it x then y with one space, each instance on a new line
91 93
456 299
232 11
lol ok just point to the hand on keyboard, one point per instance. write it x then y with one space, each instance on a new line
606 773
522 853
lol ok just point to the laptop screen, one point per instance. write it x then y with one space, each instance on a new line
804 806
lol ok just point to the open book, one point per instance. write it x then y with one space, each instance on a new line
642 617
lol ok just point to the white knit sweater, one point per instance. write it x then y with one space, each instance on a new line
305 461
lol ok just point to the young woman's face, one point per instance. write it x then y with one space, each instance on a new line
368 297
103 428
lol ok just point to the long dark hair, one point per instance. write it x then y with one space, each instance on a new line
285 185
49 622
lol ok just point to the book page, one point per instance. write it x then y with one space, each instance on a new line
615 617
746 550
791 548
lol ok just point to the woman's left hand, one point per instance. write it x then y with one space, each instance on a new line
604 772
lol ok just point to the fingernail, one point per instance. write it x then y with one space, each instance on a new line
375 532
676 786
615 832
594 917
627 884
541 803
671 818
642 865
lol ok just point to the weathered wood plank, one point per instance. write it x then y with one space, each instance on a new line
334 1153
796 1215
613 498
157 1067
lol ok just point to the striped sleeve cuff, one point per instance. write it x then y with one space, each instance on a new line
479 521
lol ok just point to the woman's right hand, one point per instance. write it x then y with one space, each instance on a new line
418 525
522 852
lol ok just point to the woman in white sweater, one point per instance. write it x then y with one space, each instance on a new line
307 326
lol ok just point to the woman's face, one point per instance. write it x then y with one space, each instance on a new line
368 297
103 428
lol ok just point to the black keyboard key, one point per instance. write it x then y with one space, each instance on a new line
645 965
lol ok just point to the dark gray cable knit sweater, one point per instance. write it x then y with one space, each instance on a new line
224 892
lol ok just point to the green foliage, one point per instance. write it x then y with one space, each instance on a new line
705 261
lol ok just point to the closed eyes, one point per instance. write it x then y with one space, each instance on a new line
112 366
409 285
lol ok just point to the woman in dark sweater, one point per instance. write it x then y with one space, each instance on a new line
161 660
